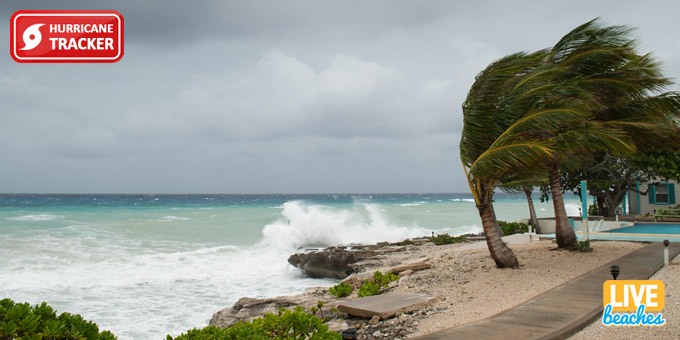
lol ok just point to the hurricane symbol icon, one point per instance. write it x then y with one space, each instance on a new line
32 37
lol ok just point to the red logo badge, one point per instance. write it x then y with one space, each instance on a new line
66 36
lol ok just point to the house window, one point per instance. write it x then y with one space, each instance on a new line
662 193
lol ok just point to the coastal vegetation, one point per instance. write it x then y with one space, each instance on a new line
444 239
286 324
510 228
368 287
341 290
583 246
408 242
530 115
21 321
374 285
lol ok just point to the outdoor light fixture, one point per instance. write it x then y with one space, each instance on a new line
349 334
665 252
666 243
615 271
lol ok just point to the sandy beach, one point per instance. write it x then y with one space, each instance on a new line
467 286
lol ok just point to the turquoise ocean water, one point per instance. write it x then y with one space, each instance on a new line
144 266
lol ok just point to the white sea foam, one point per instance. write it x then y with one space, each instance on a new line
456 231
40 217
411 204
463 200
307 225
174 218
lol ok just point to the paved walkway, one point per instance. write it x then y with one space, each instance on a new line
564 310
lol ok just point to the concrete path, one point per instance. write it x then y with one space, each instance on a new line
564 310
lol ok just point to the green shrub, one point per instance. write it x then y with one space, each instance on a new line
341 290
368 288
21 321
510 228
384 280
407 242
286 324
593 210
373 286
325 316
443 239
583 246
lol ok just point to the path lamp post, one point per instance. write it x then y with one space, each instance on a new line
665 252
615 271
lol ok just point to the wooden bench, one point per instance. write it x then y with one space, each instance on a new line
661 213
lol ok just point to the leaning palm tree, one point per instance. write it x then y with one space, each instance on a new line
498 135
598 66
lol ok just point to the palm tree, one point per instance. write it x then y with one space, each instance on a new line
533 219
497 136
522 181
598 66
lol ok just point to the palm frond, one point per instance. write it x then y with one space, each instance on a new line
503 159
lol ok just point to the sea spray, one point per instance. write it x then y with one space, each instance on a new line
312 225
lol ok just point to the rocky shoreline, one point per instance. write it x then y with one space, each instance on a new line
465 284
353 264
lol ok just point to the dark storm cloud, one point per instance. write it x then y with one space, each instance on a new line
277 96
174 22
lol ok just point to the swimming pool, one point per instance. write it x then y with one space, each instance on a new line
639 232
648 228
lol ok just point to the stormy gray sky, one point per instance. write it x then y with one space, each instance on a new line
278 96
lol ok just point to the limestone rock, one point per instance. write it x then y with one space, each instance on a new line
414 265
374 320
337 325
353 280
406 272
331 262
247 309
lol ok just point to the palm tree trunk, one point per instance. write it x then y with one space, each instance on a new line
495 222
533 220
566 238
500 252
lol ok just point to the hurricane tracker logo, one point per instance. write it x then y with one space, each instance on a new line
637 296
66 36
